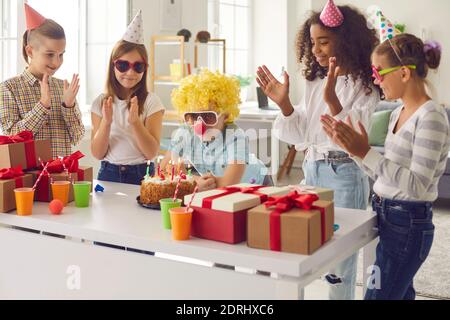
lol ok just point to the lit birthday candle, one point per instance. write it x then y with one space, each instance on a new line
189 170
179 167
148 169
173 170
159 166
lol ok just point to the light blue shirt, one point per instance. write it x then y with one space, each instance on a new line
229 147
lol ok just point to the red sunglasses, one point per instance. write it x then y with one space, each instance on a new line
124 66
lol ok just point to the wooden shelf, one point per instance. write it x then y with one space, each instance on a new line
171 115
162 40
166 83
159 40
215 42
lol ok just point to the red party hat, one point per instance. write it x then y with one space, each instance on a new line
34 18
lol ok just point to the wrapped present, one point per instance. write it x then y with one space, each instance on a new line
43 189
22 150
322 193
61 169
11 179
296 223
221 214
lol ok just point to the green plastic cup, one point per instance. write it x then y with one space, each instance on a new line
167 204
82 190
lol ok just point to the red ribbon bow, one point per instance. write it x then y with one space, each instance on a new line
11 173
293 199
207 202
23 136
69 162
284 204
27 138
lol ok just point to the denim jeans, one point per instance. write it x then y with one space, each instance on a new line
123 174
351 190
406 235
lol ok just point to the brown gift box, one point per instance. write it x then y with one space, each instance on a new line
322 193
14 154
7 197
44 191
301 230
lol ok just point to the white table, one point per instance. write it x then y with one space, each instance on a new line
45 267
255 118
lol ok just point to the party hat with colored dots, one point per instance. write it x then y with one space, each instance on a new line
387 28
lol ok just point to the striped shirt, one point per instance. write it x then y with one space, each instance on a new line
415 157
20 109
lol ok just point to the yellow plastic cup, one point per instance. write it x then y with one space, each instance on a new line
24 201
60 190
181 223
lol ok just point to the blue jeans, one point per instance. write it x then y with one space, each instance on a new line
351 190
406 235
124 174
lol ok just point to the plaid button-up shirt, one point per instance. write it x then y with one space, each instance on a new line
20 109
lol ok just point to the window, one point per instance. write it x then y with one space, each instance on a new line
106 21
231 20
87 53
9 53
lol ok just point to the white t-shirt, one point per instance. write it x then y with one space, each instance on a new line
123 149
304 129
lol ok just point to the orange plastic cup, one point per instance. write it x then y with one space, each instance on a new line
24 201
60 190
181 223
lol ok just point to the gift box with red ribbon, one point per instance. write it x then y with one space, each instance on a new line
221 214
22 150
295 223
322 193
11 179
61 169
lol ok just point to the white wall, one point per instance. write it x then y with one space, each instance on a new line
270 35
194 18
425 19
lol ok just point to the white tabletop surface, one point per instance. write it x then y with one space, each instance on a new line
115 217
251 109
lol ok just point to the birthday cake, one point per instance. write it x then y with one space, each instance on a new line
156 188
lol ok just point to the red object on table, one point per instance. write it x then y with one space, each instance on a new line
56 206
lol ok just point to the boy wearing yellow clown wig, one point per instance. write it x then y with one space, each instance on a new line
208 140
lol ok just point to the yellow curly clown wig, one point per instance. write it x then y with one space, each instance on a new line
208 91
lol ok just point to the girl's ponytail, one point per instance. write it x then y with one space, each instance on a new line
433 51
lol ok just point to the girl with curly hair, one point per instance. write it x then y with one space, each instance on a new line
335 48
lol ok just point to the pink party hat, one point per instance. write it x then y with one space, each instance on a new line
331 16
34 18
